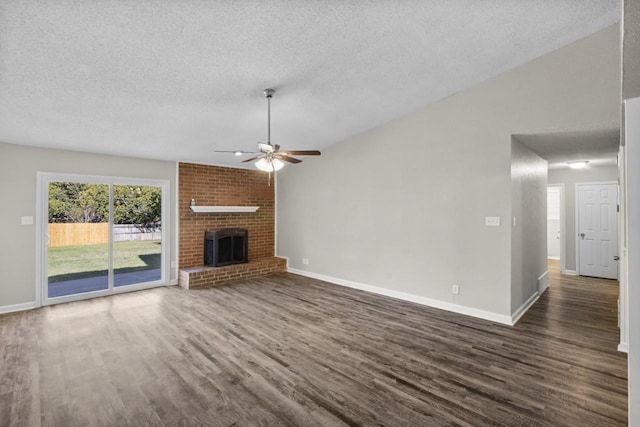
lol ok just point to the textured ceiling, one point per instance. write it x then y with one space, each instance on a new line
598 147
178 79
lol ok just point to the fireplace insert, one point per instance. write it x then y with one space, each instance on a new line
225 247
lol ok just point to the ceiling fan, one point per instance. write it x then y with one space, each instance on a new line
269 157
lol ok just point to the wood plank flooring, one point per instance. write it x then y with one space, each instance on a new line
288 350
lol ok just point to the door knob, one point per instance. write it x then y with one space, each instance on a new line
616 258
582 235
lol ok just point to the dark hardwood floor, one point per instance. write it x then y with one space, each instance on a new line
288 350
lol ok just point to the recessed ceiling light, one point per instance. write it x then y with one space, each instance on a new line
578 165
238 153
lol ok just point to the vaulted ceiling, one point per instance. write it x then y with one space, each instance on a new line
177 80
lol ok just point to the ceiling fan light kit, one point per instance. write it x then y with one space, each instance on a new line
269 165
269 157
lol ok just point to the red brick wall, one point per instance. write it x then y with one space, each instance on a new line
220 186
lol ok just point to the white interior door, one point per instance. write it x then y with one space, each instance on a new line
597 230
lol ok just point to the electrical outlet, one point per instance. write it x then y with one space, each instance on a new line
26 220
492 221
455 290
305 261
173 264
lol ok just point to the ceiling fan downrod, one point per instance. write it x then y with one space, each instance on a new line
268 93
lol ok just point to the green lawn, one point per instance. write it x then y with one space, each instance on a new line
77 262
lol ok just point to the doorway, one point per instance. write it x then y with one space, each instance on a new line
99 236
556 226
597 225
554 222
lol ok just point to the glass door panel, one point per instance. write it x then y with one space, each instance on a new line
78 238
137 234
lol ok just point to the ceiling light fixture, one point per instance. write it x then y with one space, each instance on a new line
578 164
267 164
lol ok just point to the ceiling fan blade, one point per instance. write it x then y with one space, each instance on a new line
287 158
251 159
236 152
302 152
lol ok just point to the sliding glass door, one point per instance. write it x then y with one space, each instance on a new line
77 238
137 234
100 235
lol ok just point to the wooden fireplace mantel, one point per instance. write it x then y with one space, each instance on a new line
218 209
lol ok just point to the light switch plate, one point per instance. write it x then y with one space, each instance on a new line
26 220
492 221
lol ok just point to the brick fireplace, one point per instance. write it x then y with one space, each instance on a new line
221 186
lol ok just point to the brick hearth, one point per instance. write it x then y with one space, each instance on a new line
201 277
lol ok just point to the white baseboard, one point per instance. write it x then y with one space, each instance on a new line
524 307
557 258
173 282
17 307
623 347
460 309
570 272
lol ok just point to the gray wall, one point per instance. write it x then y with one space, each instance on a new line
18 168
529 234
570 177
402 206
631 48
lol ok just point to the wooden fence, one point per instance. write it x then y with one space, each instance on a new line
70 234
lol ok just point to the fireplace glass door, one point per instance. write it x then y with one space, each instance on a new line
226 246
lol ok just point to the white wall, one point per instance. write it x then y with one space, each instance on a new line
570 177
402 207
529 232
632 138
18 168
